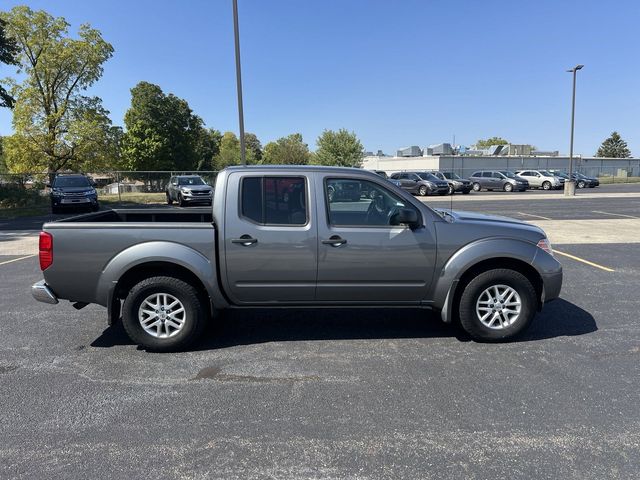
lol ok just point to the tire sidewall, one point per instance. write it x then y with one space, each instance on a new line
469 318
546 186
476 187
508 187
182 291
423 191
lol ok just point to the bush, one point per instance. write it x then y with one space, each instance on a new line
13 196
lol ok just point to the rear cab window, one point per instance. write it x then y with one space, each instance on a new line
274 200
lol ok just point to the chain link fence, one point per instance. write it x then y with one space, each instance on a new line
28 193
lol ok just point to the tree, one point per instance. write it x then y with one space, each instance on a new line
252 144
341 148
162 132
8 53
290 150
491 141
614 147
207 147
229 153
54 123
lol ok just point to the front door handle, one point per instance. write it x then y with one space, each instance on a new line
245 240
335 241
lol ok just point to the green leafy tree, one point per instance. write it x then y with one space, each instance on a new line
341 148
614 147
207 147
162 132
229 153
252 144
290 150
491 141
8 54
54 123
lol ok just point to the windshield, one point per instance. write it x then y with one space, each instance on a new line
507 174
71 182
428 176
452 176
190 181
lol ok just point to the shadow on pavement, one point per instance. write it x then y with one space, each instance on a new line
245 327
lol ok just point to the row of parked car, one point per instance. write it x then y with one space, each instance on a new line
448 183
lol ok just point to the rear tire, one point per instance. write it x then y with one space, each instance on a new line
480 289
476 187
164 337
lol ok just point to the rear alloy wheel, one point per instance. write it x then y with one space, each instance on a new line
163 314
476 187
546 185
497 304
422 191
508 187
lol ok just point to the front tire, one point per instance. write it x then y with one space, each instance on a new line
476 187
451 190
581 184
423 191
169 199
497 304
164 314
546 186
181 200
508 187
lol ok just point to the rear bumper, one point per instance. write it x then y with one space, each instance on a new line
42 293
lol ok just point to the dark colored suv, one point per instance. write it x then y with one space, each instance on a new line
498 180
421 183
73 191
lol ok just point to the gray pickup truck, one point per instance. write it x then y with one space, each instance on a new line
275 237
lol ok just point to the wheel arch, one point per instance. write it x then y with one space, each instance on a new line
478 257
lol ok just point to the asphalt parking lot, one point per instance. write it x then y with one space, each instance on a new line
330 394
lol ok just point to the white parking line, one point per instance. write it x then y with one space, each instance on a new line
16 259
532 215
614 214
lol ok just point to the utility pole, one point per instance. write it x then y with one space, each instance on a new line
243 156
570 185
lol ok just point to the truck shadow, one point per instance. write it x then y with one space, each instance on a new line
245 327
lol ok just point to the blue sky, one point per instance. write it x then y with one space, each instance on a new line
396 72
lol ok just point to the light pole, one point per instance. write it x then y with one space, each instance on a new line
236 33
570 185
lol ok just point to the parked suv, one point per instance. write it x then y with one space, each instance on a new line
73 191
188 189
541 179
456 183
421 183
498 180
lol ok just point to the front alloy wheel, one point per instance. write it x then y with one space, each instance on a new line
508 187
498 306
422 191
161 315
476 187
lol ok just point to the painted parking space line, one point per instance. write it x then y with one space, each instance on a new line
582 260
614 214
20 258
532 215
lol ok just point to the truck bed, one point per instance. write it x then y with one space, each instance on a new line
84 245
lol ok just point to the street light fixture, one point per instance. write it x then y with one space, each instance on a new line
236 35
570 184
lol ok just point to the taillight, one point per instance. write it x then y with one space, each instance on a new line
545 245
46 250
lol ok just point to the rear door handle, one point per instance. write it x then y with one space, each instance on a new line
245 240
334 241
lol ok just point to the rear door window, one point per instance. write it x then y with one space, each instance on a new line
274 200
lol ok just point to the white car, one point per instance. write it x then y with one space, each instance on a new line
541 179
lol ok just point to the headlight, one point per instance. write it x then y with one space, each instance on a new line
185 190
90 193
430 185
56 193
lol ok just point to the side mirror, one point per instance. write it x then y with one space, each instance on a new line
405 216
174 183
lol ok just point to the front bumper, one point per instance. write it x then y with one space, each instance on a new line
463 187
42 293
187 197
552 284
